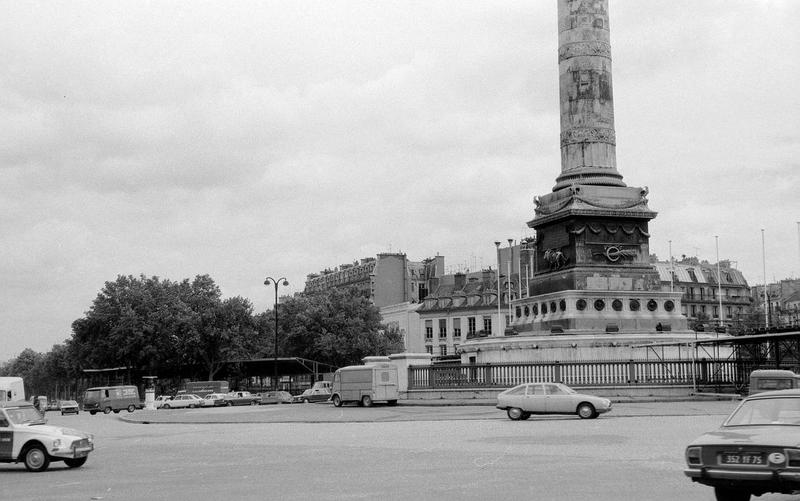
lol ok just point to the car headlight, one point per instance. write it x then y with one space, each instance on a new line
694 455
56 444
793 458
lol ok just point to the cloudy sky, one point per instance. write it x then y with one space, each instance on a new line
244 139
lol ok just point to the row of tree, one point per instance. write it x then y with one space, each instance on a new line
186 329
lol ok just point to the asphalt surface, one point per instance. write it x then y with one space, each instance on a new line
405 411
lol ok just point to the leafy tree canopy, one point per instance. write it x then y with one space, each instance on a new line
338 327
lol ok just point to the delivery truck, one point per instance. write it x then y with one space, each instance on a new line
11 389
106 399
203 388
365 384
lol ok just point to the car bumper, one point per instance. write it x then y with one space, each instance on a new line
73 452
701 474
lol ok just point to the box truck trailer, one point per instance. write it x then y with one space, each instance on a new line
11 388
365 384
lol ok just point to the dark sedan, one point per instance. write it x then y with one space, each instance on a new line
755 451
68 407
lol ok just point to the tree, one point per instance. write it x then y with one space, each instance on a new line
163 327
226 331
338 327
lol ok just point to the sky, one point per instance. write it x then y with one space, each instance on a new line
245 139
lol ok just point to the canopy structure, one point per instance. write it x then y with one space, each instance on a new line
287 366
760 351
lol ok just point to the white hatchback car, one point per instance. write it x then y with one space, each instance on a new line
520 402
24 437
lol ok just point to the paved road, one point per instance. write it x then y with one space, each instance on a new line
405 452
441 411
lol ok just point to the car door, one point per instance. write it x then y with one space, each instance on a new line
535 398
6 438
558 400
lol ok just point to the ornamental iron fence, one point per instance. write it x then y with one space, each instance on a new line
703 373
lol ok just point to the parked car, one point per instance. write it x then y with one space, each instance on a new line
37 446
319 394
241 398
68 407
755 451
522 401
161 400
183 401
276 397
214 400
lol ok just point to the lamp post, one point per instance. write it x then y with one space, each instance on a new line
719 282
285 283
510 281
499 291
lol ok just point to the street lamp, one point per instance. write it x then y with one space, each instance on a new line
285 283
499 291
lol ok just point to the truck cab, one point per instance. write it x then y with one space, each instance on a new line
772 379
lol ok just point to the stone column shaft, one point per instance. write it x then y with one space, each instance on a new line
588 144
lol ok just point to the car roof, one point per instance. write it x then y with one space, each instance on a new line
793 392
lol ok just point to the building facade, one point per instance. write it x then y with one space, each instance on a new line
706 300
783 305
462 306
387 279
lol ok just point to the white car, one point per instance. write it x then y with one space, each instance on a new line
183 401
161 400
520 402
24 437
215 400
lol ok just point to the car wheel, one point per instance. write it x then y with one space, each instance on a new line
191 406
366 401
229 403
253 402
92 412
107 410
514 413
392 402
165 406
586 411
305 400
36 458
131 408
731 494
76 462
116 411
337 401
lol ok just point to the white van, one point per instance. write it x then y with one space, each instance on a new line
11 389
365 384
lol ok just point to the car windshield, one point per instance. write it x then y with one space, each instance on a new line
69 402
25 415
761 411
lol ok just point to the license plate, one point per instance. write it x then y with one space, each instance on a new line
743 458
